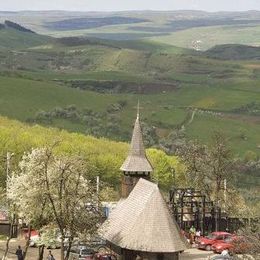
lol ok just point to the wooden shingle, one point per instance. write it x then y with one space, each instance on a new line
136 160
143 222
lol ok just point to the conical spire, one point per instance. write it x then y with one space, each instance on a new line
137 160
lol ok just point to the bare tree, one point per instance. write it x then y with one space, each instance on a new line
194 156
209 169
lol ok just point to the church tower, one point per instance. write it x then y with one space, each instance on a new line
136 165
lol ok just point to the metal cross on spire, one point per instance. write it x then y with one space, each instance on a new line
138 109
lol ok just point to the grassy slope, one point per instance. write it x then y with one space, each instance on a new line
208 36
202 83
211 36
13 39
234 52
32 96
174 28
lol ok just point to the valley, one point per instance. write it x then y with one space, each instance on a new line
92 86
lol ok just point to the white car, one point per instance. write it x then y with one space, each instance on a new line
51 239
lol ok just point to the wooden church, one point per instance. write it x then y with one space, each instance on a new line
141 226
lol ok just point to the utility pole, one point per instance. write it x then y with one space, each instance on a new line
97 191
173 177
8 166
225 194
8 163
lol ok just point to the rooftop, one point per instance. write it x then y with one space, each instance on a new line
143 222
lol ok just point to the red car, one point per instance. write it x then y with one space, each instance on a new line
208 241
234 244
33 233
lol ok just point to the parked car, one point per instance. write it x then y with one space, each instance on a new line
208 241
234 244
219 257
81 253
25 233
96 243
106 256
51 238
34 238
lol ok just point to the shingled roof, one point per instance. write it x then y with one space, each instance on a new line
136 160
143 222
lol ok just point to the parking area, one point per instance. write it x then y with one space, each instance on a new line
190 254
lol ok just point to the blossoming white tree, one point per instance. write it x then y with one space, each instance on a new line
58 190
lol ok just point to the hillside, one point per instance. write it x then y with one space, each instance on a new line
188 29
14 36
9 24
92 86
103 155
234 52
91 22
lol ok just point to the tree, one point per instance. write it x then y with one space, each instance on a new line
169 171
12 219
209 169
194 155
56 189
220 167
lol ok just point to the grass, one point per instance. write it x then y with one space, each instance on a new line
234 52
35 72
13 39
169 81
162 27
3 237
166 111
32 96
244 136
210 36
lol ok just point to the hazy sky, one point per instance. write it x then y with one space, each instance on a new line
115 5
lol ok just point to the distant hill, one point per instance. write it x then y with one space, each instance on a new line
15 36
92 86
16 26
188 29
9 24
92 22
234 52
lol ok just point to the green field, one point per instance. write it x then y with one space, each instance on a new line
80 76
187 29
92 86
207 37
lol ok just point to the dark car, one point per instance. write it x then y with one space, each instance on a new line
106 256
208 241
81 253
